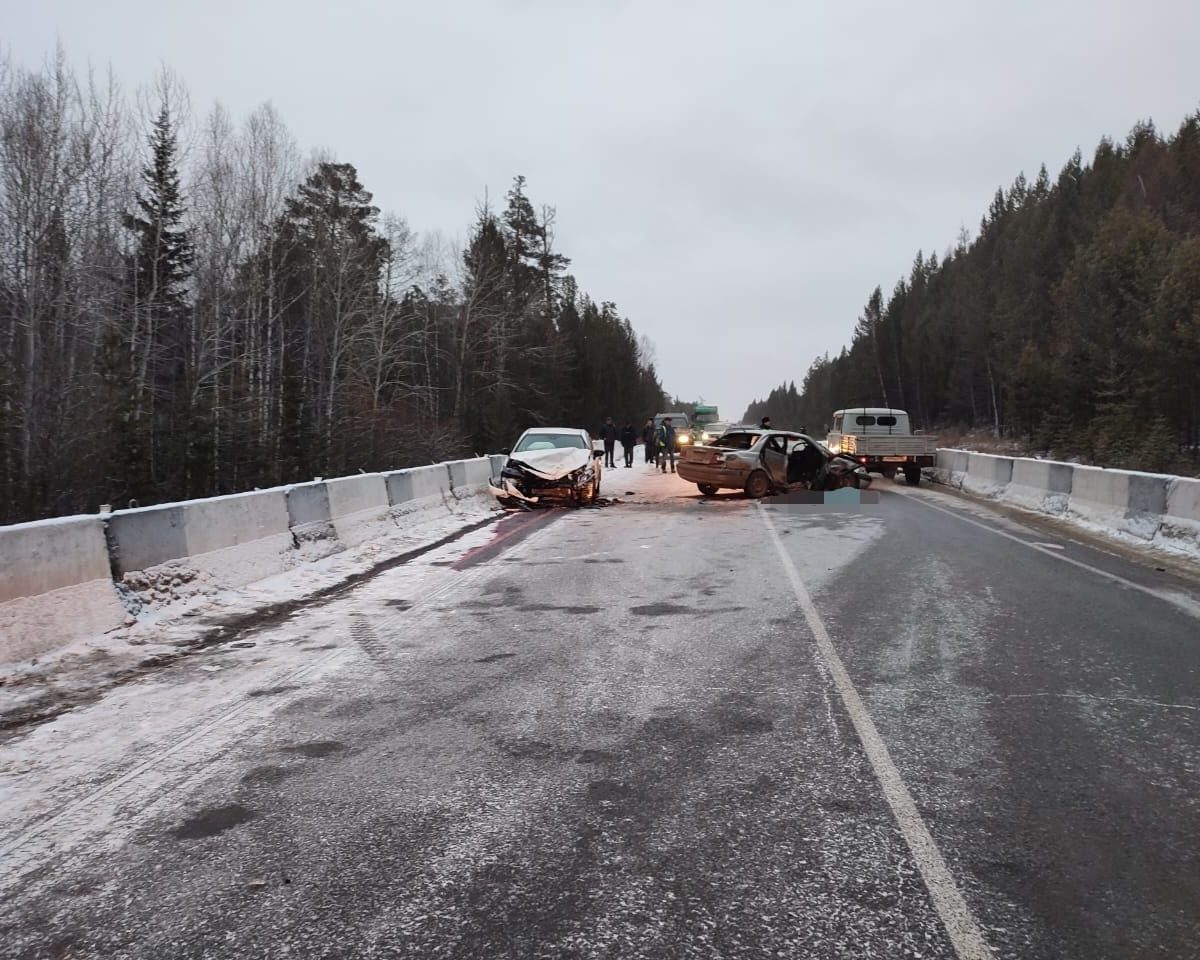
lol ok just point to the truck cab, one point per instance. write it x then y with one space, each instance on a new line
881 439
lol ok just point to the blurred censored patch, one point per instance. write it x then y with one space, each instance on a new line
833 499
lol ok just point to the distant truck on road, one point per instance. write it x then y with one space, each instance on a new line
881 439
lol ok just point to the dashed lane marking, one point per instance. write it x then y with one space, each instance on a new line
961 926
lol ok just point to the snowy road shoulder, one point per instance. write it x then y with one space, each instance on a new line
169 627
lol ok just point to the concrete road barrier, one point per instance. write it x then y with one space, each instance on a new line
1041 485
419 490
359 507
1180 526
232 541
1145 504
55 586
470 478
986 475
1099 497
310 519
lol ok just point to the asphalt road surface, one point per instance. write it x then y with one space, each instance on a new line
670 727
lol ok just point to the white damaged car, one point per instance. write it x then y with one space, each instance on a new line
550 466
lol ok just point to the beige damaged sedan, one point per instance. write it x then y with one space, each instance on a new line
760 462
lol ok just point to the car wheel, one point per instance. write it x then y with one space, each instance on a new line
758 485
707 489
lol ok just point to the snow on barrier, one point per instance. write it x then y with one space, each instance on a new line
418 490
55 586
986 475
177 548
1041 485
311 520
1099 497
1149 507
470 478
57 576
1145 504
359 507
1180 527
950 467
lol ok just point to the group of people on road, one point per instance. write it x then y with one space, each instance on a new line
658 442
609 433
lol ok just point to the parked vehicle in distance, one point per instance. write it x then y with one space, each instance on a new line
880 439
711 431
760 462
680 424
550 465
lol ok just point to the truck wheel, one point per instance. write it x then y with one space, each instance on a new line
758 485
889 473
707 489
912 475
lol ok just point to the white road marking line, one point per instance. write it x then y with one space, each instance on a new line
1049 546
956 916
1180 602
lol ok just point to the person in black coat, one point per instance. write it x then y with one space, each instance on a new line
648 440
608 433
628 442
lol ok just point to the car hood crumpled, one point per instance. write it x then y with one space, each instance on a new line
552 464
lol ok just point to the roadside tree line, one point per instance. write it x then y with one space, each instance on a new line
190 308
1070 324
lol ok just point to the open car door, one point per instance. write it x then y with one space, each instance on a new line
774 459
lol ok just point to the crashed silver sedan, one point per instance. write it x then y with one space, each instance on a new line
761 462
550 466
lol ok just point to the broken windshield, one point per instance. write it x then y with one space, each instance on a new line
550 441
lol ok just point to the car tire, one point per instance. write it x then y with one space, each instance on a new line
912 475
758 485
707 489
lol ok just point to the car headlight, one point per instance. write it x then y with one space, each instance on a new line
684 438
835 449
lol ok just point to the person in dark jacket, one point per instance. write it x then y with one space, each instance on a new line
628 442
608 433
765 424
665 438
648 440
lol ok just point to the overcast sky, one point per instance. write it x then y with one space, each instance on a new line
736 176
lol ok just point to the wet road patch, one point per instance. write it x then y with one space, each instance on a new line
492 658
273 691
596 756
317 749
546 607
660 610
268 775
213 820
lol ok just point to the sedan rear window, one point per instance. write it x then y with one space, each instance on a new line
550 441
739 441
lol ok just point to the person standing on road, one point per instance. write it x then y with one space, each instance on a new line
608 433
628 442
666 445
648 440
765 424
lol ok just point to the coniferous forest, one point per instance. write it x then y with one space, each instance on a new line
189 307
1069 325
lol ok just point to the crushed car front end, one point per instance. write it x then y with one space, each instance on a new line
563 479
